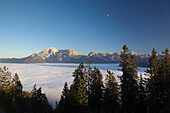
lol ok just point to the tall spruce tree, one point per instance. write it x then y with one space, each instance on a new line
18 86
79 72
141 96
87 76
129 85
64 104
163 81
153 67
78 91
96 87
153 83
39 102
166 63
18 95
156 84
111 94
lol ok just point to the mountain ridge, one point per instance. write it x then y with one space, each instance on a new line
53 55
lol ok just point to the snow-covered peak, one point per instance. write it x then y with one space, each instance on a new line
72 52
33 54
133 53
50 50
110 53
103 54
69 52
92 53
116 54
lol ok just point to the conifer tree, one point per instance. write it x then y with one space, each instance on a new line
80 93
141 96
96 91
79 72
164 79
129 86
78 97
87 77
39 102
65 92
153 67
6 84
111 94
6 81
166 62
17 95
154 90
38 95
18 86
64 104
77 93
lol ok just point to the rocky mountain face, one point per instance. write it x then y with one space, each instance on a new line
52 55
104 57
115 57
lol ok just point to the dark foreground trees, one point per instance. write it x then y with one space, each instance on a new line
145 95
14 100
87 93
158 83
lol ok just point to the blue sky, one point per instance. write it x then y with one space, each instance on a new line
29 26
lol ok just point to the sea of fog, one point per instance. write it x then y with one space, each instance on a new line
52 76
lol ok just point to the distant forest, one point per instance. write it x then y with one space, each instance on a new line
89 93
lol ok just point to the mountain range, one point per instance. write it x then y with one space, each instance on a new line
52 55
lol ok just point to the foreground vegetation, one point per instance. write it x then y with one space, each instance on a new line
90 94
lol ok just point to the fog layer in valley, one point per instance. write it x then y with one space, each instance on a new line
52 76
